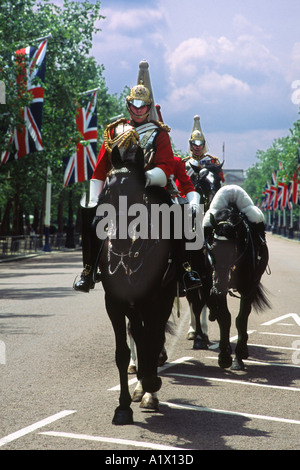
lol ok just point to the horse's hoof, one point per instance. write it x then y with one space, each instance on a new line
151 384
200 343
237 365
131 370
224 362
149 402
122 417
137 395
191 335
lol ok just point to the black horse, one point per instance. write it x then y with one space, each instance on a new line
238 254
139 278
207 182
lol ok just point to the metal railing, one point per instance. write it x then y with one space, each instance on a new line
22 245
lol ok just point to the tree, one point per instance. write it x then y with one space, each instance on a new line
283 150
283 157
70 71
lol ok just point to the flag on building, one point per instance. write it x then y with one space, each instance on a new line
27 138
80 166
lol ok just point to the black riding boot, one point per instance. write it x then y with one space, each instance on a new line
90 249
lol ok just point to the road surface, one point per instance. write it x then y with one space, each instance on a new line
59 380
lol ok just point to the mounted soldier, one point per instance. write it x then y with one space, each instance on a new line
199 157
144 130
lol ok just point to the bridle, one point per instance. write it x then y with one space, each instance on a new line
233 265
134 252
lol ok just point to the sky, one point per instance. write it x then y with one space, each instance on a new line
234 63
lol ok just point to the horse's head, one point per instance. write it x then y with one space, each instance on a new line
133 262
127 174
226 222
207 182
230 240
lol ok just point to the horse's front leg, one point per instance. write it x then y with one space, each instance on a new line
198 311
123 413
241 350
224 320
132 364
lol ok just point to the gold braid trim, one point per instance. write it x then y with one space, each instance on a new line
163 126
125 140
128 138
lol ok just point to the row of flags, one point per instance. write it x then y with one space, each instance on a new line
281 194
27 138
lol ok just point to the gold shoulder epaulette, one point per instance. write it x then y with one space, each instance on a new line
130 137
186 159
162 126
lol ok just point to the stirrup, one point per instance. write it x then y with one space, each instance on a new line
191 280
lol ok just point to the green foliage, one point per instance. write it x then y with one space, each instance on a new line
283 150
70 71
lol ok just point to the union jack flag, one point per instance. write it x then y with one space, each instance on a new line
283 202
266 193
80 166
273 201
27 138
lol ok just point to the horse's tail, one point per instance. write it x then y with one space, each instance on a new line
260 301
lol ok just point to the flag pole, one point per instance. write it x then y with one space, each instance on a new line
89 91
47 246
43 38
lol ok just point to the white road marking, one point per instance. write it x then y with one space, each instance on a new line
124 442
275 364
278 334
295 316
239 382
271 346
34 427
232 413
160 369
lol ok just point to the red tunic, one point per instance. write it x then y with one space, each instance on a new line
163 157
182 180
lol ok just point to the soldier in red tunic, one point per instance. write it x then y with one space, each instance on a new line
142 129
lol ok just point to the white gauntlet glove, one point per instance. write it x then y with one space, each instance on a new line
96 187
193 199
155 177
